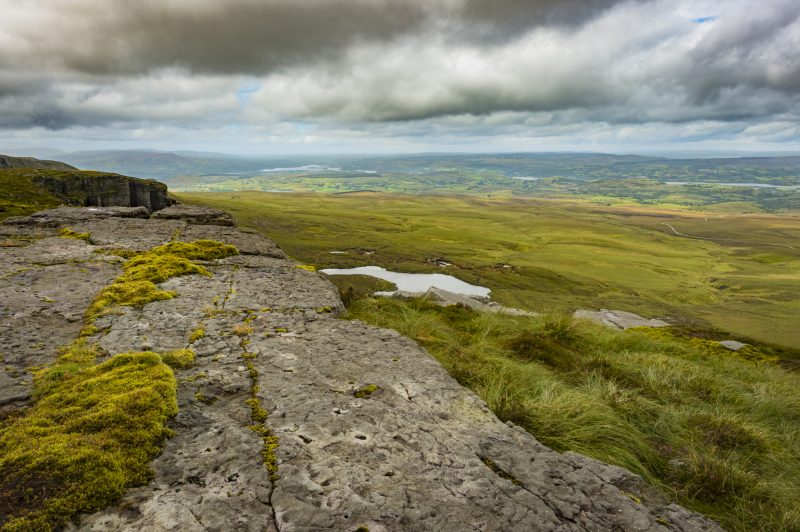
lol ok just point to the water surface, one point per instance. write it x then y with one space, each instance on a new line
414 282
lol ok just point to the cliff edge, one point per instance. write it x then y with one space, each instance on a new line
358 428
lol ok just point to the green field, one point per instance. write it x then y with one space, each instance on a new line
555 255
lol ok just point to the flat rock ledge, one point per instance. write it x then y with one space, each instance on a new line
419 453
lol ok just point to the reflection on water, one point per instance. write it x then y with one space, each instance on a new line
415 282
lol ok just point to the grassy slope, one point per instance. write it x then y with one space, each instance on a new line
714 430
554 255
19 196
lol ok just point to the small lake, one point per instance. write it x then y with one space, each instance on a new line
414 282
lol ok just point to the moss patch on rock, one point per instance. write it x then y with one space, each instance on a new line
179 358
69 233
137 285
90 435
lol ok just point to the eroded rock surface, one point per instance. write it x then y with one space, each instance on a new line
373 432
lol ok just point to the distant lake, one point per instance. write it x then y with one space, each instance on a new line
748 185
414 282
525 178
303 168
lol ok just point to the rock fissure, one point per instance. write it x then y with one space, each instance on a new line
406 456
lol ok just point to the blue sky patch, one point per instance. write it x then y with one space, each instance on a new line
703 20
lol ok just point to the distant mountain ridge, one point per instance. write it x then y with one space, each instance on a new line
7 161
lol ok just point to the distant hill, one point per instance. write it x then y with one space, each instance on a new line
7 161
161 165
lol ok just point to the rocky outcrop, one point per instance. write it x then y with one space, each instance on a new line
92 189
77 187
195 215
7 161
373 433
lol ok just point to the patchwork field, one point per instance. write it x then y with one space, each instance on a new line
552 255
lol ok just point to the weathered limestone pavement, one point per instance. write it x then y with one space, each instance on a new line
373 434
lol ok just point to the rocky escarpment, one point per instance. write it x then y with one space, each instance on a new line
372 433
61 183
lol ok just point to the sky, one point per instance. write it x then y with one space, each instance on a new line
381 76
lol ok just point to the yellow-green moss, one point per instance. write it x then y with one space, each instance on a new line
365 391
90 435
179 358
137 284
205 399
307 267
69 233
197 334
197 250
257 412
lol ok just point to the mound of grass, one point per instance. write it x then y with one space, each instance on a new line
716 432
90 435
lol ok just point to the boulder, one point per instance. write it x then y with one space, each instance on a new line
733 345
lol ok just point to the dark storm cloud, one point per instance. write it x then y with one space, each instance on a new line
256 36
478 67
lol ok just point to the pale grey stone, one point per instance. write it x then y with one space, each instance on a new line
419 453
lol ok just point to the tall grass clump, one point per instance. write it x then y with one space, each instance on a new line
716 432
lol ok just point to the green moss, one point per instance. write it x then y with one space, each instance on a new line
365 391
90 435
259 416
179 358
137 285
257 412
307 267
157 268
281 330
205 399
197 250
129 294
197 334
69 233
